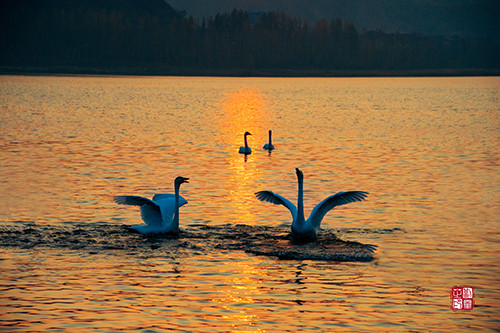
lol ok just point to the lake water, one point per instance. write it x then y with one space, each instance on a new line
426 149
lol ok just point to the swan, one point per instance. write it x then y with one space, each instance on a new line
161 214
269 146
246 150
305 230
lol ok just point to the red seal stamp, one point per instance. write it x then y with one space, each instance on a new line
462 298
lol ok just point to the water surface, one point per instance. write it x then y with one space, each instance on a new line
426 149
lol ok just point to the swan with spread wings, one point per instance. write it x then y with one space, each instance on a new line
305 230
161 214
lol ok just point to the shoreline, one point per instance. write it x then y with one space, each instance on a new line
174 71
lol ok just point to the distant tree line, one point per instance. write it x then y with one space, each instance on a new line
145 33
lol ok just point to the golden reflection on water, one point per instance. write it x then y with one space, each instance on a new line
242 111
241 284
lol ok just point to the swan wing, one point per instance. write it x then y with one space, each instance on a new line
150 211
132 200
160 196
167 207
169 197
332 201
163 196
270 196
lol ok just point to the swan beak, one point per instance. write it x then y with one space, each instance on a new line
185 180
299 172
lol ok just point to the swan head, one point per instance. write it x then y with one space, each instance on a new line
300 175
248 133
180 180
270 132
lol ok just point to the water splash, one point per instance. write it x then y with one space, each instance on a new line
259 240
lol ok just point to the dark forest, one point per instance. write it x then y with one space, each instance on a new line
150 37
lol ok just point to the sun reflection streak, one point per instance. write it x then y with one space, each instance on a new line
239 294
243 110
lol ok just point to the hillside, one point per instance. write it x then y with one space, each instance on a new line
464 18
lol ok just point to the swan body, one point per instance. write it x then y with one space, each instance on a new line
269 146
246 150
161 214
305 230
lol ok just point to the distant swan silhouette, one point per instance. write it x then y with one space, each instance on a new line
246 150
161 214
305 230
269 146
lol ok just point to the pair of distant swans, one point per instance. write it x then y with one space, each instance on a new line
161 214
247 150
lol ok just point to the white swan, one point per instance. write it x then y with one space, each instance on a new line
161 214
246 150
269 146
305 230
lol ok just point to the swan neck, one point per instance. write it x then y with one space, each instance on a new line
270 138
175 221
246 144
300 202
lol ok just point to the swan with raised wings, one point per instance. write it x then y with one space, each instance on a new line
305 230
269 146
246 150
161 214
